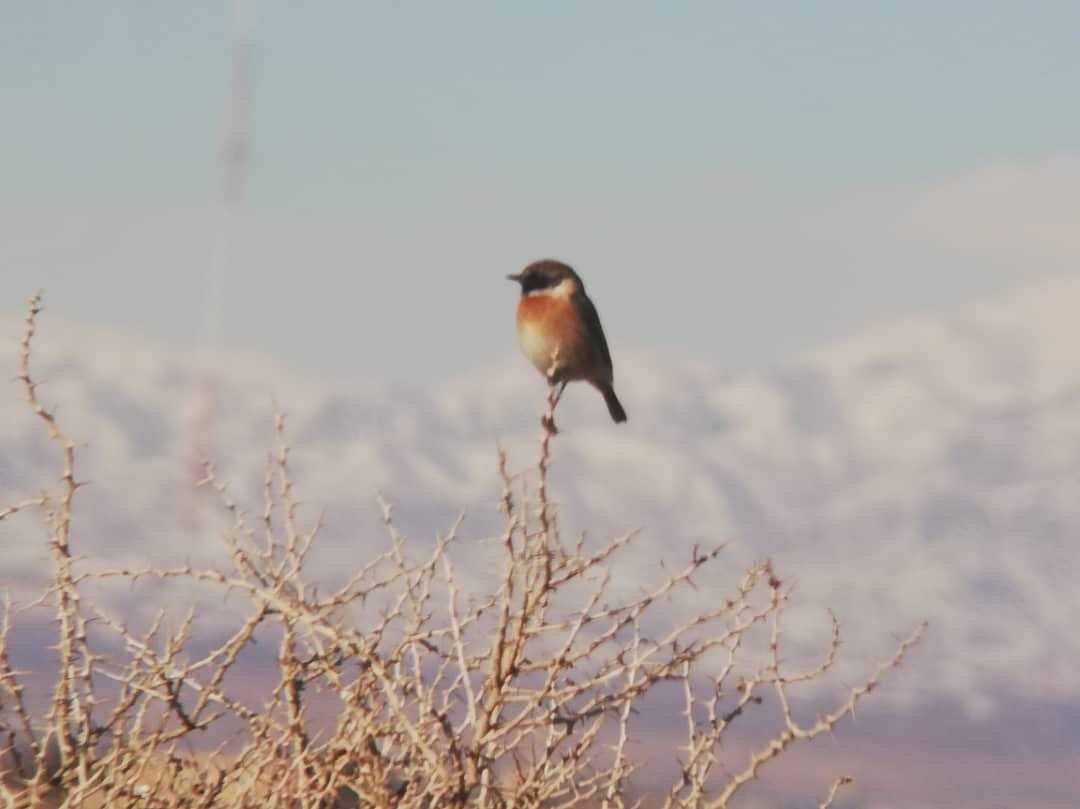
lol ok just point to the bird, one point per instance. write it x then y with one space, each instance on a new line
560 333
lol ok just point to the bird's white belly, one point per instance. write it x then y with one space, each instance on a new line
537 346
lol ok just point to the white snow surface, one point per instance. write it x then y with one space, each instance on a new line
924 469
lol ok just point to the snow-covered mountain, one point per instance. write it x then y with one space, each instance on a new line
929 469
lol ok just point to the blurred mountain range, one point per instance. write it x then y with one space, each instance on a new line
924 469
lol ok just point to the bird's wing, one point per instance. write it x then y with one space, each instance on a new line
593 330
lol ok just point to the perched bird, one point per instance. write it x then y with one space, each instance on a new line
558 325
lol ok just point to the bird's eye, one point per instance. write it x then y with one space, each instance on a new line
535 281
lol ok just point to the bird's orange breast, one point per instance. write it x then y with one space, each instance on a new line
547 322
549 312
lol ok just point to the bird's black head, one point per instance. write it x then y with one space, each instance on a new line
545 274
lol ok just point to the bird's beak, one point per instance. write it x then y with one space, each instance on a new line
514 277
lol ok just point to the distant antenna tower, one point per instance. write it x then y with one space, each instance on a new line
235 157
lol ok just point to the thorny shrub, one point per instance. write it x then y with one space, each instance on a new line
522 694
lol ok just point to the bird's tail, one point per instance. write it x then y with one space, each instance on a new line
615 408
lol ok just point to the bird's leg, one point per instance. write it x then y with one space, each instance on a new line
558 396
555 392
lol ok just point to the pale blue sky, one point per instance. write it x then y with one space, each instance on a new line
699 164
